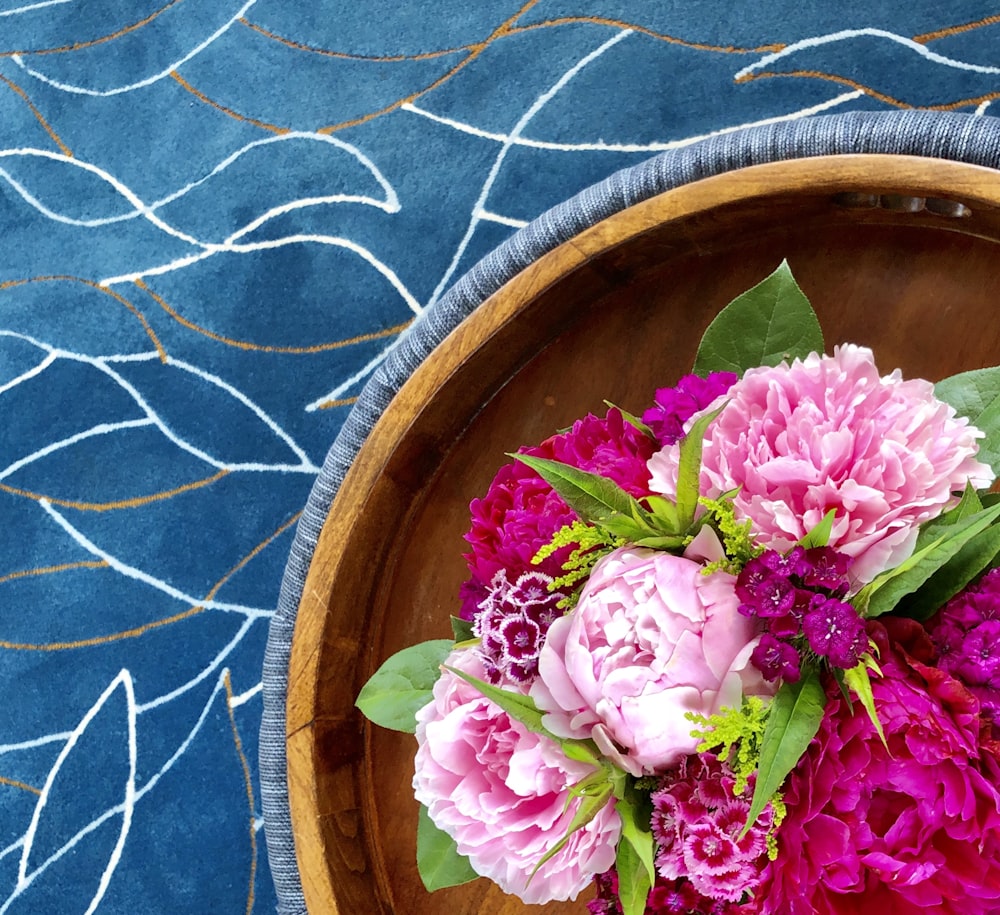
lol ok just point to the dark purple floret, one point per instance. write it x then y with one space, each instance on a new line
835 631
826 568
775 659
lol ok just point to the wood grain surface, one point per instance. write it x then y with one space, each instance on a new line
896 253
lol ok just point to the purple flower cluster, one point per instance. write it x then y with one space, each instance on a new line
697 821
966 633
798 596
512 623
674 406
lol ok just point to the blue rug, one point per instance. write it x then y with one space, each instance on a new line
215 219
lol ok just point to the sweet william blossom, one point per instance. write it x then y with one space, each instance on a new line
501 793
828 432
650 639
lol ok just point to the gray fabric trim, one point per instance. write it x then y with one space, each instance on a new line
960 137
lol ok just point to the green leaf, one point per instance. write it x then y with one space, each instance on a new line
796 713
633 880
462 629
976 395
969 505
402 685
635 811
820 534
768 324
858 680
689 470
438 860
520 707
594 498
978 554
885 592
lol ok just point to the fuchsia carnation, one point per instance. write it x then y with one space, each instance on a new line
520 512
914 828
650 640
827 433
501 793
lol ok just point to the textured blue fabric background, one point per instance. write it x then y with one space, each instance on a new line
215 219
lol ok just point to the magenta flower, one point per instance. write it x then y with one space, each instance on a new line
966 633
912 828
502 793
697 824
827 433
520 512
651 639
674 406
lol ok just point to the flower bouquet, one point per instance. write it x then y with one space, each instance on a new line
740 654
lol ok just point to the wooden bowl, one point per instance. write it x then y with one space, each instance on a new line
898 253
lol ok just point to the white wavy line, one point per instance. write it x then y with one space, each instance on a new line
982 106
99 429
145 211
246 696
138 795
34 742
334 241
139 208
80 90
24 879
600 146
356 377
847 34
135 574
523 121
33 6
30 373
487 216
306 466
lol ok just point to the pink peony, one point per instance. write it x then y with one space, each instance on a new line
829 433
650 640
520 512
912 829
501 792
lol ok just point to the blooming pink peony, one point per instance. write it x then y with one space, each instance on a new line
501 793
912 829
829 433
650 640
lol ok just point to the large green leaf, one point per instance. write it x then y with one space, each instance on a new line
689 469
765 325
795 715
438 860
886 591
403 684
976 395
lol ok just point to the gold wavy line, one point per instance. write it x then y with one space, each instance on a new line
342 402
80 45
248 781
242 118
155 624
66 151
14 783
956 29
261 348
868 90
134 502
11 284
342 55
501 30
48 570
659 36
